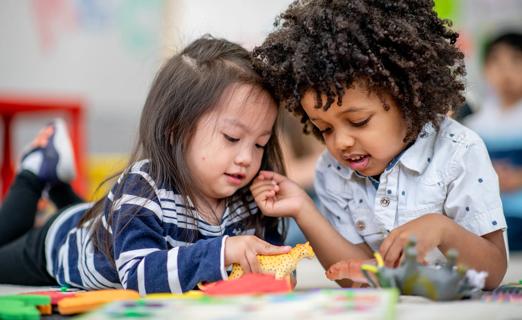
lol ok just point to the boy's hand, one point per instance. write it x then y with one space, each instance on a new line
244 250
277 195
428 230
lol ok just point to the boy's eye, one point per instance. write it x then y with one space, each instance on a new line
360 123
229 138
325 131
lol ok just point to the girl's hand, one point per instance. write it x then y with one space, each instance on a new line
428 231
244 250
278 196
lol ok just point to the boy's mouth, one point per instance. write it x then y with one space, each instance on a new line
357 162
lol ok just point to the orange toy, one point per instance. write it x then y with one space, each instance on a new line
250 283
87 301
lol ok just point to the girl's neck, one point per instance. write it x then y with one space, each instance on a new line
211 210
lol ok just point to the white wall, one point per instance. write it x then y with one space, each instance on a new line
107 52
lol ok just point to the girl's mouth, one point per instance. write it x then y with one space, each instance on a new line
235 179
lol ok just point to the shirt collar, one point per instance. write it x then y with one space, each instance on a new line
419 155
416 157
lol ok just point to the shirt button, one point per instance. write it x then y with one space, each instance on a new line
360 225
385 201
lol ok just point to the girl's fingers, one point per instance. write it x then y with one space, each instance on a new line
269 249
252 261
245 265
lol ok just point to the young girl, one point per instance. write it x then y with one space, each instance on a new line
181 212
374 80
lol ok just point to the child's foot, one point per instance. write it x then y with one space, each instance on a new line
50 156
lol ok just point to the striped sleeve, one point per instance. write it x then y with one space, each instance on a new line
143 258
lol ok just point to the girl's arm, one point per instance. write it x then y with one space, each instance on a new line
150 258
276 195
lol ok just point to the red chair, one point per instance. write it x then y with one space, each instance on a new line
11 106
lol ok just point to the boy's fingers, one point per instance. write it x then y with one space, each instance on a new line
264 184
264 190
388 241
272 176
393 253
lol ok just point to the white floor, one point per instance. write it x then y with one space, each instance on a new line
310 274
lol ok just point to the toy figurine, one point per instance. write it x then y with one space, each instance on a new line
440 282
281 265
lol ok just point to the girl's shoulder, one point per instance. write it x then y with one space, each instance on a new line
137 178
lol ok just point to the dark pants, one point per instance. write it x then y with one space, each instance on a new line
22 247
514 233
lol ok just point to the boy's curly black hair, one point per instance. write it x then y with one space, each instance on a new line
399 47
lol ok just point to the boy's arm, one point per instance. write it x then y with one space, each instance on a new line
278 196
329 245
472 221
487 253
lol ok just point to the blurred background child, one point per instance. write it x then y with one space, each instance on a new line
499 123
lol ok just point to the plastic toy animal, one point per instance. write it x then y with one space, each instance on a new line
441 282
281 265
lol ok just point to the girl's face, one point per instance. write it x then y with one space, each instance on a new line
226 150
360 133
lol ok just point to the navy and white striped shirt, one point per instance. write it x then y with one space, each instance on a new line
149 240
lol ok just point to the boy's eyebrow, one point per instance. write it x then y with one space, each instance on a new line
241 125
350 109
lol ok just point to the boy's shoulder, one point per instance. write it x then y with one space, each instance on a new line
453 136
445 150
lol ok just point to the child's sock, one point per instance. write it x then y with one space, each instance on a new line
51 157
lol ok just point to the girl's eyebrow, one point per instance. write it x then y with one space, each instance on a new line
237 123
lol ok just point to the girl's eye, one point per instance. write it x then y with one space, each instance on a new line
229 138
360 123
260 146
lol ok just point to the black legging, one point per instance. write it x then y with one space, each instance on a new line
22 247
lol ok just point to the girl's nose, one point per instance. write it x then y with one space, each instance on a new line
244 157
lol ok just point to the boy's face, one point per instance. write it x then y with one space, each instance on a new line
360 133
227 147
503 71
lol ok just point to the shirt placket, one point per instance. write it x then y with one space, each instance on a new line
386 200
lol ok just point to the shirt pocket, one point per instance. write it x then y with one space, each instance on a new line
426 194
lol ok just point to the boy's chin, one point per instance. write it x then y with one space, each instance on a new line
371 172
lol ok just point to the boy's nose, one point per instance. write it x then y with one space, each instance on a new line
344 141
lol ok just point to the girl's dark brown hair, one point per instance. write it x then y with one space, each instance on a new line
189 85
399 47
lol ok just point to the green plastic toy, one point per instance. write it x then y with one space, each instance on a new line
22 307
